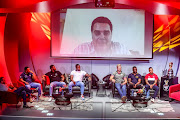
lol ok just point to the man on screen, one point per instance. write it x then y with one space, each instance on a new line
101 45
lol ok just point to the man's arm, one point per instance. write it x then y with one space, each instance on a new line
89 76
112 78
26 83
129 80
139 81
34 77
147 82
125 81
72 79
155 82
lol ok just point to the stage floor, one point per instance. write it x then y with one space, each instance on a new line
92 108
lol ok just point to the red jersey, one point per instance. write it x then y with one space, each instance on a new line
151 78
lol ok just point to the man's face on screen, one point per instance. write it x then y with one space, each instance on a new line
101 36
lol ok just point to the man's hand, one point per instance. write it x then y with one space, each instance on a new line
26 83
135 86
113 80
151 86
123 83
74 82
89 78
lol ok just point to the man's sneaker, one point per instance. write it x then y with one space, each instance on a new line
82 97
26 106
35 90
50 99
152 100
148 98
123 99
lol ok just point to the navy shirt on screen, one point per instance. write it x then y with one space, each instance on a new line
134 78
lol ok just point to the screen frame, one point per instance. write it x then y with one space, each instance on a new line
100 58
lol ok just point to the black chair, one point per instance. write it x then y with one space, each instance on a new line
87 87
108 82
94 80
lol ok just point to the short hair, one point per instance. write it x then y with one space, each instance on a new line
1 78
171 63
51 66
101 20
77 65
118 65
150 68
25 68
134 67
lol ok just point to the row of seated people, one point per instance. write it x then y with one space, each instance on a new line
134 81
56 79
119 78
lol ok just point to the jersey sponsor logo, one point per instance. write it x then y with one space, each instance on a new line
151 79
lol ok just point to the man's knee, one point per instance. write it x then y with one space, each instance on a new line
23 92
81 84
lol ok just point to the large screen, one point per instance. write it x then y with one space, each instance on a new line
102 33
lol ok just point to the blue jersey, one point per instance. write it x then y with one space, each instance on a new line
26 77
134 78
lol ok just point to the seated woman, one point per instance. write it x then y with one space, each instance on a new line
21 91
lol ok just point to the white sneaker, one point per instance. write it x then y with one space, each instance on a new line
50 99
82 97
152 100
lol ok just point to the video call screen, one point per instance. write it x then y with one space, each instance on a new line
101 33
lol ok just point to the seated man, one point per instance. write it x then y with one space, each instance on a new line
26 77
76 79
134 80
56 79
151 83
120 81
21 91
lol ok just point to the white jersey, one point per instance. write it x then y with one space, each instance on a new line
78 75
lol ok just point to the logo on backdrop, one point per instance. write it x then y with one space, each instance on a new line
166 85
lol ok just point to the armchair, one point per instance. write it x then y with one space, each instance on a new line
108 82
87 87
174 92
94 80
46 84
9 97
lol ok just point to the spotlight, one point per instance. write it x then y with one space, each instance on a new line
50 114
40 109
160 113
105 3
44 111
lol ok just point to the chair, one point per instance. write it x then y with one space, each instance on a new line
94 80
174 92
87 87
46 86
108 82
9 97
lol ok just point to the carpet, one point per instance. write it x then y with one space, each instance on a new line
157 106
76 104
